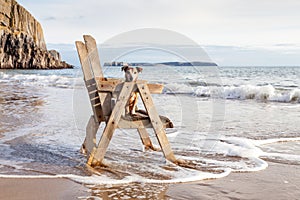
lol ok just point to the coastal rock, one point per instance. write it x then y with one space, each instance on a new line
22 44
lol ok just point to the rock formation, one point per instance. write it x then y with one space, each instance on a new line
22 44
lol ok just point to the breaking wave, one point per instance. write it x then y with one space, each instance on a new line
241 92
46 80
226 155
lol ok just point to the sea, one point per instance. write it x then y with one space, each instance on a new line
226 119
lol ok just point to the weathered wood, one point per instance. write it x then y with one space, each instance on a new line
105 98
89 79
84 61
145 138
112 123
93 55
155 88
132 124
114 85
101 91
90 140
156 122
109 85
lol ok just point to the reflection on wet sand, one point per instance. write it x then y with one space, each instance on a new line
18 106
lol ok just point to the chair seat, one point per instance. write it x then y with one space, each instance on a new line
141 119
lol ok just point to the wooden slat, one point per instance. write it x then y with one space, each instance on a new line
113 85
107 86
90 139
91 81
101 91
105 98
84 61
89 78
93 94
127 124
156 122
93 55
155 88
145 138
95 101
91 88
97 157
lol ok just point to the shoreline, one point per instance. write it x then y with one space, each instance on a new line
278 181
58 188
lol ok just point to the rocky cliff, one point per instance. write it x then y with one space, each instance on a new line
22 43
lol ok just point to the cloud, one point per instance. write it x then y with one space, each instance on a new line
286 55
222 55
50 18
242 27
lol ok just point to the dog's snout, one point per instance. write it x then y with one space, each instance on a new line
128 77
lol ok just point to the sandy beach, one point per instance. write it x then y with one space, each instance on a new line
225 74
278 181
40 189
33 143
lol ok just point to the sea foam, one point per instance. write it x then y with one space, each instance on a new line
58 81
243 92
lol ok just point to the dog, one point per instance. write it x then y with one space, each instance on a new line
131 74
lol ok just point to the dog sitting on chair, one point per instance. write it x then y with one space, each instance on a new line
131 74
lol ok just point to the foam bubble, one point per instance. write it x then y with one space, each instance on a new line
39 80
243 92
275 140
104 180
229 154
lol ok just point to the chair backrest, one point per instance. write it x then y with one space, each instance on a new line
91 67
93 55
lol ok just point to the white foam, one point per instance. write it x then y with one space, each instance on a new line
264 93
242 92
39 80
241 166
278 156
282 156
275 140
247 148
104 180
251 160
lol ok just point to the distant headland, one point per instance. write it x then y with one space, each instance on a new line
195 63
22 44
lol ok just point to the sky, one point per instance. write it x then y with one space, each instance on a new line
232 32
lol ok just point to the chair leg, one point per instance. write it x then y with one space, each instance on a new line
156 123
99 151
90 139
146 139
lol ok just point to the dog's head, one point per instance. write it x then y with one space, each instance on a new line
131 73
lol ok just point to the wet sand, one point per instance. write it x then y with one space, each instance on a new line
279 181
14 189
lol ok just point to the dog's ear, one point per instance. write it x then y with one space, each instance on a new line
124 68
139 69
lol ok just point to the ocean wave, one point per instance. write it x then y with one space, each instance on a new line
241 92
229 154
58 81
263 93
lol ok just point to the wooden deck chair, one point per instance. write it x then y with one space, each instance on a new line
108 99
